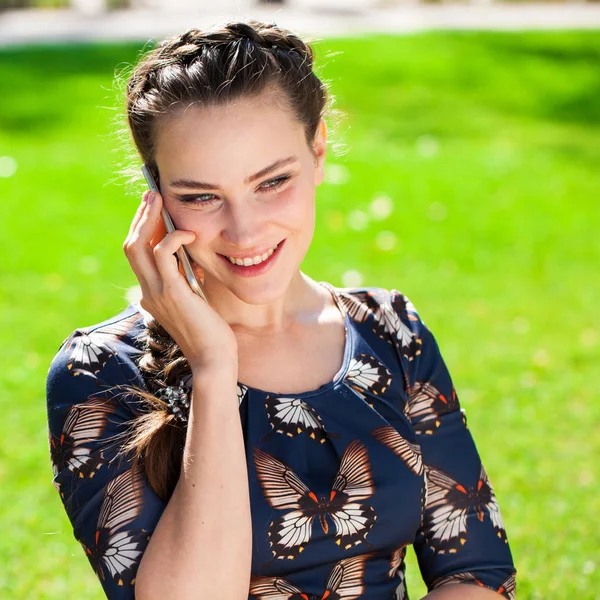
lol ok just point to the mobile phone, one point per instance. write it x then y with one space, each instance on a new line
182 253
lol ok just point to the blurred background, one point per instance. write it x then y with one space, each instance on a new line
465 174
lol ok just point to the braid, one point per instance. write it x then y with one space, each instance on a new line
191 45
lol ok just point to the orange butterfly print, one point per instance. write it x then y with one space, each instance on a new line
345 582
426 404
85 423
508 587
90 348
284 490
116 550
292 416
448 505
366 375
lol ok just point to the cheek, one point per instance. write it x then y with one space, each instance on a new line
296 205
203 226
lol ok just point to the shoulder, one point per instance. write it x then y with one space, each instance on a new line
387 315
387 306
96 358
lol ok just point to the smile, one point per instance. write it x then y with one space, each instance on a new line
257 265
255 260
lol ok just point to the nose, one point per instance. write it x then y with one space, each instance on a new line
244 226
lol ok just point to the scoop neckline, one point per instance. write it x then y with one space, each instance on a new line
342 371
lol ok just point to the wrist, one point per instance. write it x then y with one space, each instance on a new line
213 383
214 369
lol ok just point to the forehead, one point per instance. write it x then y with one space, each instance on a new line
243 134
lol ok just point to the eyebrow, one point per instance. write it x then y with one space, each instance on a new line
203 185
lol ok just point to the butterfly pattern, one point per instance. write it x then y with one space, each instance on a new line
398 570
367 376
90 348
345 582
385 315
409 452
117 549
242 391
85 423
507 588
449 503
283 489
292 416
426 404
325 467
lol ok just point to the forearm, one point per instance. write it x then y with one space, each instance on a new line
202 545
462 591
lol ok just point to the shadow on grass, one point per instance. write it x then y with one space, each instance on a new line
34 81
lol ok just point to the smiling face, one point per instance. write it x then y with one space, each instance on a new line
212 163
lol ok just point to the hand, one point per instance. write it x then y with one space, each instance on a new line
204 337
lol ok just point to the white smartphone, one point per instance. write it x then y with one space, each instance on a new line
181 252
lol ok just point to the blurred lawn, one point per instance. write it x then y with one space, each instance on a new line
489 146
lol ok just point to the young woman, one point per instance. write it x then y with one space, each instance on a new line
287 438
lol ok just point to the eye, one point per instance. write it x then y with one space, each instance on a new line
209 199
275 183
201 199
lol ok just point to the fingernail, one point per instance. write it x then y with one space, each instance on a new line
151 197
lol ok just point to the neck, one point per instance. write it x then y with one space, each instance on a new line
268 310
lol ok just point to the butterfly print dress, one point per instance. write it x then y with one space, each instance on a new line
343 478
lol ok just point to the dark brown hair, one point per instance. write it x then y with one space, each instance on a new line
204 68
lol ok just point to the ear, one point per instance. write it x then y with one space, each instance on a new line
320 150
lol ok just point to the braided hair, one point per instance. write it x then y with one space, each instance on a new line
205 68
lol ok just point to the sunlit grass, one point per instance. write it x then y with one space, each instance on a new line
486 145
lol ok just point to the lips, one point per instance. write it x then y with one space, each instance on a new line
252 270
267 252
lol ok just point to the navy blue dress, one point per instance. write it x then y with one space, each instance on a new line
342 478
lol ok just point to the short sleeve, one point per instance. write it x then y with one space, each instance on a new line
462 538
111 506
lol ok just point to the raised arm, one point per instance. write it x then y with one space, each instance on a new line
462 539
201 548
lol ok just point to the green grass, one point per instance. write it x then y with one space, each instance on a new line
488 146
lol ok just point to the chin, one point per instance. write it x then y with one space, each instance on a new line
261 292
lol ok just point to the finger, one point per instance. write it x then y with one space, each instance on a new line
138 214
165 257
150 229
137 247
160 232
151 221
136 219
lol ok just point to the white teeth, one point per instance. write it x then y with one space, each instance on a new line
252 261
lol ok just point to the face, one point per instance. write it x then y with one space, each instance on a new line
242 178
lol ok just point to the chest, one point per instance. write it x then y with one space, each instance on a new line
351 492
292 363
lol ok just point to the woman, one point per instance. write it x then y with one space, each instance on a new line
287 439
